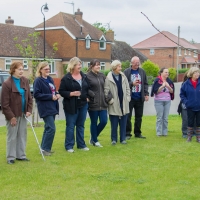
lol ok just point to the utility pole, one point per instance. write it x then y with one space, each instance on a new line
72 5
177 67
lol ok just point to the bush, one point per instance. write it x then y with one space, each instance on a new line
172 73
125 65
65 68
150 80
182 71
150 68
84 69
105 72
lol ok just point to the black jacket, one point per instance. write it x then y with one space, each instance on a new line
96 82
69 84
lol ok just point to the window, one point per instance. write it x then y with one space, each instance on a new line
102 43
88 64
152 52
195 53
25 63
189 52
87 41
102 64
52 67
7 64
179 51
185 51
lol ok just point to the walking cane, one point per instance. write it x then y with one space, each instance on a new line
35 137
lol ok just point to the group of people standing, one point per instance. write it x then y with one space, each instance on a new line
115 96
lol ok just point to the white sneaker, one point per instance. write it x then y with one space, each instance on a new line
70 150
85 149
97 144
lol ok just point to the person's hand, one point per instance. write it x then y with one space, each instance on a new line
146 98
13 121
136 82
76 93
28 114
164 84
54 97
58 96
87 100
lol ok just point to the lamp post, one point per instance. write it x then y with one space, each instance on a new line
45 9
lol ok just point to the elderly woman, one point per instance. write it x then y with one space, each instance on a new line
16 103
117 83
74 89
163 92
190 96
47 103
98 106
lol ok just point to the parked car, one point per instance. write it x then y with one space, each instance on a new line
3 76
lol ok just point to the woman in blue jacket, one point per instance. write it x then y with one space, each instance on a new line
190 95
47 102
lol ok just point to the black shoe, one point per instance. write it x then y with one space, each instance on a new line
10 162
140 136
22 159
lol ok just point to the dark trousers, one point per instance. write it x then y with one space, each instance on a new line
191 118
138 106
115 121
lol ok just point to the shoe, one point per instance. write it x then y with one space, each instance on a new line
97 144
51 151
113 142
91 142
124 142
85 149
140 136
10 162
46 153
70 150
22 159
128 137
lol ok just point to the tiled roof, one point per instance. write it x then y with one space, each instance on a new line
9 32
123 52
160 41
69 21
188 59
197 45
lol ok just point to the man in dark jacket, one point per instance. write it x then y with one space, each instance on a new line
139 93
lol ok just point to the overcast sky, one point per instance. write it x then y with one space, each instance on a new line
123 16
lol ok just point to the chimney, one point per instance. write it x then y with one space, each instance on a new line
9 20
78 16
110 35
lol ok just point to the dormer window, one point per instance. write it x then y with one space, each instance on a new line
87 42
102 43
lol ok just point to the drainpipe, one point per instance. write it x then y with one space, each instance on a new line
76 47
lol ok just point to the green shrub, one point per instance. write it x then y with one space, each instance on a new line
105 72
125 65
172 73
182 71
150 68
150 80
65 68
84 69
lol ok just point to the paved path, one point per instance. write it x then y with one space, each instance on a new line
148 106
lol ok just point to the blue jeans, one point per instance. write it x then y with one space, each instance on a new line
77 120
95 129
115 120
49 133
162 112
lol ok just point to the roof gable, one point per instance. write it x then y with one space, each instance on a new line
160 41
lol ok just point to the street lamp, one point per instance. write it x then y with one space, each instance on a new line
45 9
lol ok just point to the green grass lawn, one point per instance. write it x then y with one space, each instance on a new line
156 168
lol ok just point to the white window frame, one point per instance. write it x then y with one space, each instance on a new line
52 65
179 51
185 51
102 40
189 52
25 64
152 51
103 65
8 62
195 53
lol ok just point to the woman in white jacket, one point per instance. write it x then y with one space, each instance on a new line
117 83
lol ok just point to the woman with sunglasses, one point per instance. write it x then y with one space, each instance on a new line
163 92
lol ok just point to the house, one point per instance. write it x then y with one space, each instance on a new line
161 50
123 52
197 45
75 37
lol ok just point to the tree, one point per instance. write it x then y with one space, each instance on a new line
150 68
192 41
125 65
101 27
29 49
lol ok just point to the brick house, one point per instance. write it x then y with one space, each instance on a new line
162 51
75 37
